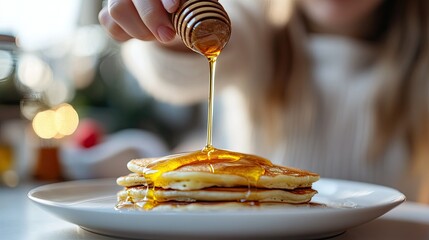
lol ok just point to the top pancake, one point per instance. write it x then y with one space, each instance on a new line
200 175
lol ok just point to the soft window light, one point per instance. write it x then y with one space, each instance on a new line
39 24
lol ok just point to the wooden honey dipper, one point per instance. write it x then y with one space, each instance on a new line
203 26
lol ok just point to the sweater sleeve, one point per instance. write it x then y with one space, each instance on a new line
182 78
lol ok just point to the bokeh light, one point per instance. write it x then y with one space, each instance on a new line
66 120
34 73
57 123
44 124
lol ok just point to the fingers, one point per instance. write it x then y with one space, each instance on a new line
142 19
156 19
126 16
114 30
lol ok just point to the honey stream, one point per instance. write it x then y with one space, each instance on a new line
251 168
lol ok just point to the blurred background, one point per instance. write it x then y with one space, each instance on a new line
68 107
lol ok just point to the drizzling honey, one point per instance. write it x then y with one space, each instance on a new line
250 166
207 36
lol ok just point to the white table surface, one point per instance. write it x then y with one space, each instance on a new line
20 219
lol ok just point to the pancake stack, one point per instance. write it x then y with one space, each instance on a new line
205 185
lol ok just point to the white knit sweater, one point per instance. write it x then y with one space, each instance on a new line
345 82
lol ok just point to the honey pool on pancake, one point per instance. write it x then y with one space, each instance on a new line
252 170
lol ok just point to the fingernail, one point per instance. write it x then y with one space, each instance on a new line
169 5
166 34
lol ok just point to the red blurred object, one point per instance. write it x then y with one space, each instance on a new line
88 134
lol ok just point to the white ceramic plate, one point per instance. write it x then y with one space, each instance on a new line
90 204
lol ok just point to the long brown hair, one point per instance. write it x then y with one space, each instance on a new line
402 104
290 93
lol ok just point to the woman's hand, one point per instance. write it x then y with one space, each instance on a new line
147 20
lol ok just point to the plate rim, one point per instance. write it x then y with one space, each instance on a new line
76 214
